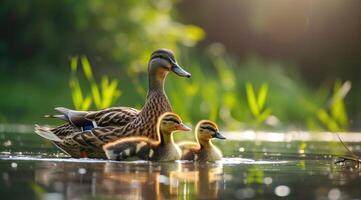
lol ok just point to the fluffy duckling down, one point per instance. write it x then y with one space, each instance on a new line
163 149
203 150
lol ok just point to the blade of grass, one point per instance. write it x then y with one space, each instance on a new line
251 98
86 68
74 64
262 95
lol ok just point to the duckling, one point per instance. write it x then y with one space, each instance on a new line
163 149
85 132
203 150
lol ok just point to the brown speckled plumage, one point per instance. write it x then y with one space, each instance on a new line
117 122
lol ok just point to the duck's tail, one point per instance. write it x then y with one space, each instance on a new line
57 116
64 114
63 110
46 133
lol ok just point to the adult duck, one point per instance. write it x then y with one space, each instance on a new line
163 149
86 132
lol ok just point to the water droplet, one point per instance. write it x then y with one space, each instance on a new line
267 180
282 190
334 194
82 171
14 165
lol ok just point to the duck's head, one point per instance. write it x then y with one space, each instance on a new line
206 130
170 122
162 61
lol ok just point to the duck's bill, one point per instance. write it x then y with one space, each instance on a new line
219 136
182 127
179 70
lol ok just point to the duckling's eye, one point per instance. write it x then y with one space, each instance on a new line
202 130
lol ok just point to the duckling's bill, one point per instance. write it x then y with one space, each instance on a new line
219 136
183 127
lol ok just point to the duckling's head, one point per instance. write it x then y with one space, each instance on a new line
206 130
170 122
162 61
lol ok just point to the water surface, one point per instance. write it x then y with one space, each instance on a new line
32 169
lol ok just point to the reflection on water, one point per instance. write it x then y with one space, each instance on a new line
233 178
127 180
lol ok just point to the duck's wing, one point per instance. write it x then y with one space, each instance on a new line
78 143
116 116
87 120
84 143
92 140
140 147
45 132
189 150
58 137
76 118
56 133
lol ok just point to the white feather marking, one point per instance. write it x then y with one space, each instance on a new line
127 152
94 124
151 152
138 147
110 154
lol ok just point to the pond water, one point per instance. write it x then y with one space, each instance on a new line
32 169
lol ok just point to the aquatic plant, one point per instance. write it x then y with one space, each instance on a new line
334 117
101 95
257 103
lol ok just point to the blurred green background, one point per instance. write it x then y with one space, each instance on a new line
274 65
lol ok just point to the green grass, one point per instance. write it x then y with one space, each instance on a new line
102 95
